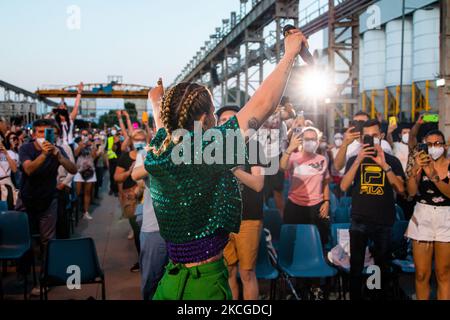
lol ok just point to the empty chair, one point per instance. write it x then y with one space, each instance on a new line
71 252
273 222
264 268
301 253
3 206
15 240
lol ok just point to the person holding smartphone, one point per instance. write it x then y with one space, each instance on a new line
86 153
8 167
374 176
429 228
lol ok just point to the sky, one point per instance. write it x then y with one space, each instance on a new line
140 40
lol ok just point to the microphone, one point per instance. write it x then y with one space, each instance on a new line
304 52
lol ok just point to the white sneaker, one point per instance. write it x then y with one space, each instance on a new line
87 216
35 292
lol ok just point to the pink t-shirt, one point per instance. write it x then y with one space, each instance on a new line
307 174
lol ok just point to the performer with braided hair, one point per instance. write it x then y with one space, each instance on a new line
198 205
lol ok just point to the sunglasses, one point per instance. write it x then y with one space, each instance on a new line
435 144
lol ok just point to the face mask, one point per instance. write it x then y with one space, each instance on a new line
113 132
64 123
405 138
436 152
139 146
338 142
376 140
310 146
85 139
40 141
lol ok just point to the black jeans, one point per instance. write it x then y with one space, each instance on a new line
295 214
360 234
99 174
112 183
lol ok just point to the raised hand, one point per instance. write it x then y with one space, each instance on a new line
295 142
350 136
80 88
294 42
156 93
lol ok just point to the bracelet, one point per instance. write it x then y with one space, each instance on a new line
326 200
388 170
287 153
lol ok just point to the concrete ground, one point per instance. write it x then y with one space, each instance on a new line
115 252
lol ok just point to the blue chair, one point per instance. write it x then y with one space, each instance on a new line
342 215
271 203
264 268
273 222
334 232
301 253
334 203
399 214
345 202
15 240
64 253
3 206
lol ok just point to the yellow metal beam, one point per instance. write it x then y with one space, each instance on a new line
372 104
386 103
427 95
363 96
413 102
397 100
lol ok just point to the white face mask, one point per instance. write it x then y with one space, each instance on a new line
40 141
338 142
113 132
405 138
310 146
323 145
376 140
436 152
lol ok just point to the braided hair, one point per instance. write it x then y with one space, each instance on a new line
181 106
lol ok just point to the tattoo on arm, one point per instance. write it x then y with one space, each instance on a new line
253 123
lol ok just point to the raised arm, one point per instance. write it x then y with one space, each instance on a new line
129 125
268 95
122 126
155 97
74 112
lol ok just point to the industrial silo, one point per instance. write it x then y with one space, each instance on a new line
393 66
426 53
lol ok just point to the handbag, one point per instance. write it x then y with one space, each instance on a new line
129 202
87 173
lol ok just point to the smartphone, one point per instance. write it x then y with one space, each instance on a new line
50 135
369 140
431 117
422 147
144 117
392 121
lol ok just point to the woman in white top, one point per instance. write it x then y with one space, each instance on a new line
8 165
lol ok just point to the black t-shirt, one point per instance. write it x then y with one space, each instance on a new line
125 162
39 188
372 195
430 194
252 201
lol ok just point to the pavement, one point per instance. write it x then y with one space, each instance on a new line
115 252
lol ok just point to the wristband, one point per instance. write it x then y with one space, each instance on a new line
388 170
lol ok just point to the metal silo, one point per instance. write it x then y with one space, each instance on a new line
393 52
374 60
425 44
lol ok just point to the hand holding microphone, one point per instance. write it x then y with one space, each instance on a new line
295 40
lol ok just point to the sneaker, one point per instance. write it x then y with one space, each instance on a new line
317 294
87 216
135 267
35 292
130 235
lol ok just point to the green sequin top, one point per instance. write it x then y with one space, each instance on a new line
193 201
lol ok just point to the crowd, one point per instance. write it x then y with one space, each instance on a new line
197 227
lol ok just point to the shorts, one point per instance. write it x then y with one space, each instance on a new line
243 247
204 282
429 223
79 178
